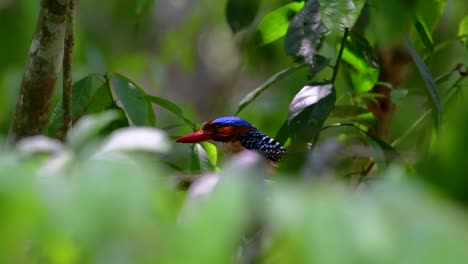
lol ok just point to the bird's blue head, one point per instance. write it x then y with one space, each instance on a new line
230 121
224 129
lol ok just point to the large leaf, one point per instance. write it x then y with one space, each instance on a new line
241 13
340 14
361 63
89 95
131 99
305 33
431 88
308 111
275 24
169 106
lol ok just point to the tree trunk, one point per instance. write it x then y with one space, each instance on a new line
40 73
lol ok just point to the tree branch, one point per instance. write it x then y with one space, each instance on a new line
67 70
40 73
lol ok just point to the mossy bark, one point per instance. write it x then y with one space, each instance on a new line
40 73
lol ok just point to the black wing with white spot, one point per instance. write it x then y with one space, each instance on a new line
256 140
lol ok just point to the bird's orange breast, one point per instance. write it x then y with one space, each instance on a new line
233 146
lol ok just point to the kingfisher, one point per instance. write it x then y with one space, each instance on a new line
237 135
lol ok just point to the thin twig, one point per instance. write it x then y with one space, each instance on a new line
340 54
67 69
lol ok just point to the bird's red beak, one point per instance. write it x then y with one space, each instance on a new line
194 137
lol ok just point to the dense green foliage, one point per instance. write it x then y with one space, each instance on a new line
366 95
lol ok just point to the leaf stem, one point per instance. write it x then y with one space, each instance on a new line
272 80
340 54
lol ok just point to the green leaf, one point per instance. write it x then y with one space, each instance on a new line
169 106
200 159
89 95
308 111
211 152
340 14
463 30
151 116
89 126
275 24
241 13
131 98
361 63
259 90
305 33
431 88
424 34
283 133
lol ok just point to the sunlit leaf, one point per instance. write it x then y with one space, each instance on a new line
340 14
463 30
431 88
361 63
308 111
200 159
305 33
212 152
275 24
